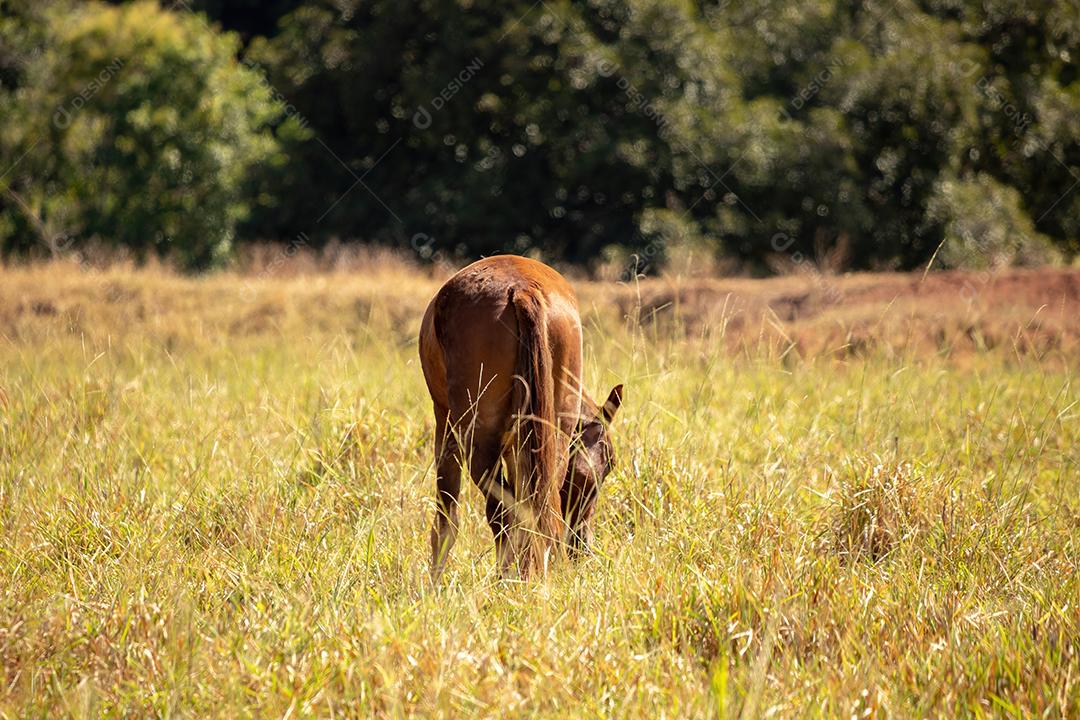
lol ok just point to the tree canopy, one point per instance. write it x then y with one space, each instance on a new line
885 130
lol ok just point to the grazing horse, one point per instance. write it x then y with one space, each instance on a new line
500 345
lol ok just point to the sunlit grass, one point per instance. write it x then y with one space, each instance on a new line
221 508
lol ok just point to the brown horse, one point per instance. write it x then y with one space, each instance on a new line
500 345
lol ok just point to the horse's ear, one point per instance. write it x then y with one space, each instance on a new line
611 405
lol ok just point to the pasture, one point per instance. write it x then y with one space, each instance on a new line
851 496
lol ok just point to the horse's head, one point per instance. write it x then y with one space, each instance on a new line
591 459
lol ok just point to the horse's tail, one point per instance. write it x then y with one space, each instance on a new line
537 429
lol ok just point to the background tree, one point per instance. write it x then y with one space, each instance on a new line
137 127
577 130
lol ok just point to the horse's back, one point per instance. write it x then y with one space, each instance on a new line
487 282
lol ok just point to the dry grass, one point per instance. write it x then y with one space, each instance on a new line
959 316
950 314
215 495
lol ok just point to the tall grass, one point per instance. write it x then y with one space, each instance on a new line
215 497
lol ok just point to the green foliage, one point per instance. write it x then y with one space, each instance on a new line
561 128
22 30
827 124
137 127
985 226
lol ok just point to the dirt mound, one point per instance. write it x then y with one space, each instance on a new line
951 313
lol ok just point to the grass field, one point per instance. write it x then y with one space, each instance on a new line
848 497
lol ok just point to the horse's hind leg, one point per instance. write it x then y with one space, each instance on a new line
448 487
485 465
461 442
499 499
